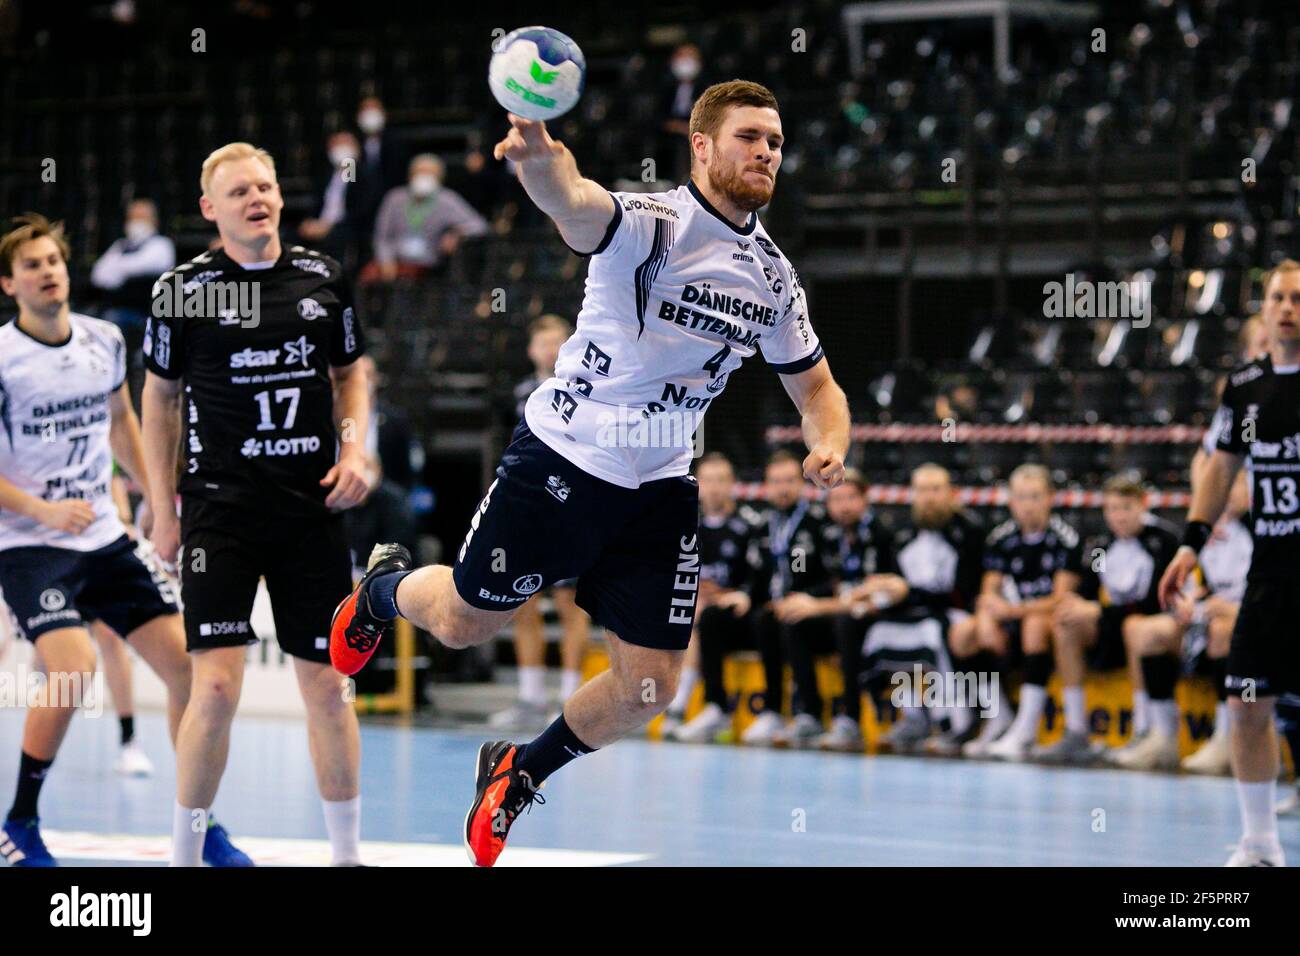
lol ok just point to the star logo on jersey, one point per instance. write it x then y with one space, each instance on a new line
310 309
298 351
251 449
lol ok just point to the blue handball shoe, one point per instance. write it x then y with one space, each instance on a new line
21 843
219 851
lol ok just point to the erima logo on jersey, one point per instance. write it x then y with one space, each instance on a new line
743 255
310 309
312 265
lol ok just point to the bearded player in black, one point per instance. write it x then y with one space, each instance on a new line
262 341
1260 422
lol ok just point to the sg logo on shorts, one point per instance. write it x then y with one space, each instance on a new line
52 599
527 583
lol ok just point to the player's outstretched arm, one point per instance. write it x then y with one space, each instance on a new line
161 405
1209 498
825 411
580 208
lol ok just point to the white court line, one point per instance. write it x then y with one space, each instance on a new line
268 851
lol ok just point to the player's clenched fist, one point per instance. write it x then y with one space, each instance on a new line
527 140
824 467
72 516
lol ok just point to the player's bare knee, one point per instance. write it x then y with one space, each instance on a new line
1251 716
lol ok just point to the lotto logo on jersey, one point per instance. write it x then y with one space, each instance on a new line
310 309
280 447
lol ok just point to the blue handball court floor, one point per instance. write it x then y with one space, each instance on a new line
640 802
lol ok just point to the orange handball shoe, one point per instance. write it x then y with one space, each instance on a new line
355 632
503 793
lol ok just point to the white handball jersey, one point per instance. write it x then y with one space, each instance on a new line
55 416
677 297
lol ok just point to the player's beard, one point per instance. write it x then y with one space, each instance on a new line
729 180
931 517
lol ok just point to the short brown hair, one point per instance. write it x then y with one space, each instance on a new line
714 458
25 228
782 455
856 479
1286 265
1126 486
712 105
549 322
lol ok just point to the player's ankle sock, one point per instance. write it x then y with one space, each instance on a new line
1076 713
31 777
555 747
1141 713
1160 675
532 685
690 677
1032 698
343 823
189 827
1222 719
570 681
128 729
382 594
1258 818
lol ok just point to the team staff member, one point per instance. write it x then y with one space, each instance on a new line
266 382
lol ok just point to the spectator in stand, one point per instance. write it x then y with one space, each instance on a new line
939 555
420 225
335 230
382 165
127 271
677 97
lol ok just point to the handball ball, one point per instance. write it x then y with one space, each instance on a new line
537 73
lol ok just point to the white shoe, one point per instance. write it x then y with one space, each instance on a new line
1257 854
705 727
132 762
1155 751
1009 747
1214 757
763 730
669 725
1289 806
993 729
845 736
800 732
521 716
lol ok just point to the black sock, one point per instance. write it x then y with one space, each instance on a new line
128 729
555 747
1160 674
1038 668
382 594
31 776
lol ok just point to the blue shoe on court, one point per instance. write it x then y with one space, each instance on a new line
219 851
21 843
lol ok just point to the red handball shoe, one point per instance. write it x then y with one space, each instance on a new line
355 632
503 793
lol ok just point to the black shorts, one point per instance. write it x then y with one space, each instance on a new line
225 550
632 550
51 588
1265 651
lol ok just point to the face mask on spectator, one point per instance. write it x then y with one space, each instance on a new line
138 230
686 69
341 154
371 121
424 185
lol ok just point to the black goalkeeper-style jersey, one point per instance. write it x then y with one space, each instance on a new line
254 348
1259 419
1031 561
725 548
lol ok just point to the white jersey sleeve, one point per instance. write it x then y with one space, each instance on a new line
792 346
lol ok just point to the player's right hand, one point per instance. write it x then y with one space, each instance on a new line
72 515
165 536
1171 582
527 140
